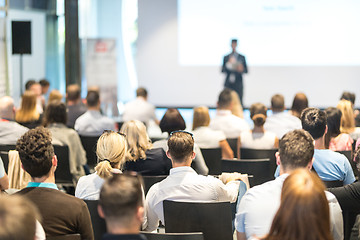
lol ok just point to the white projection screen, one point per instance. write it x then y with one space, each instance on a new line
310 46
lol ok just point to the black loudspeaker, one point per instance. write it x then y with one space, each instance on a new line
21 37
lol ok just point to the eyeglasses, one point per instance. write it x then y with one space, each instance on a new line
111 131
182 131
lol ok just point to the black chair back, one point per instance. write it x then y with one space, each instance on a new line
233 143
259 168
212 157
213 219
66 237
4 154
173 236
349 156
98 223
331 184
89 145
62 173
247 153
151 180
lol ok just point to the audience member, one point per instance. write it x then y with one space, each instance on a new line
140 109
92 122
173 121
10 131
141 157
334 139
281 122
259 205
40 100
183 184
28 115
61 213
224 120
55 120
55 95
237 108
348 119
45 85
121 204
29 83
348 96
303 213
75 108
300 102
4 180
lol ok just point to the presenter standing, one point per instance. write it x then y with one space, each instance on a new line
234 66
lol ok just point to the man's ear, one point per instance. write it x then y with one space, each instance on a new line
140 214
193 155
168 154
309 166
54 161
277 156
101 211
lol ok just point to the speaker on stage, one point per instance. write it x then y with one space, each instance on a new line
21 37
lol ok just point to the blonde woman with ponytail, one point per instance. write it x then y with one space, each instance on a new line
110 150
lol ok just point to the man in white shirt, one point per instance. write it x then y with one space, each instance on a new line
224 120
259 205
281 122
184 184
140 109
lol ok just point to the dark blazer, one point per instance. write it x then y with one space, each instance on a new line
238 75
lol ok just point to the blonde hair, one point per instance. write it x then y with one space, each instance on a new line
347 118
137 139
110 150
236 109
201 117
28 111
55 95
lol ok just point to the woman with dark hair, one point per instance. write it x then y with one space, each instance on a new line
55 119
173 121
334 139
300 102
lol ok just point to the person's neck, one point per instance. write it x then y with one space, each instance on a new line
73 102
185 163
258 129
45 179
277 111
94 109
116 228
320 143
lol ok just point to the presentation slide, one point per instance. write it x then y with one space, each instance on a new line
270 32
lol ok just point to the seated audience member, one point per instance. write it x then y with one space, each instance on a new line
29 83
61 213
259 205
92 122
351 97
334 139
184 184
4 180
140 109
45 85
40 100
75 108
258 138
28 115
224 120
281 122
55 95
173 121
303 213
10 131
121 204
348 119
55 120
110 150
206 137
237 108
141 157
300 102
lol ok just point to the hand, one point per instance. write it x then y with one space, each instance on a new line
240 68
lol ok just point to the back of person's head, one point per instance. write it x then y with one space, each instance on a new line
333 118
93 98
225 99
7 107
137 139
181 145
172 121
17 218
236 107
201 117
258 114
55 95
300 102
73 92
314 121
44 83
347 119
141 92
121 200
296 150
55 112
29 83
110 150
36 151
348 96
28 111
304 210
277 103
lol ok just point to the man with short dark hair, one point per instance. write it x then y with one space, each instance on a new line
280 122
259 205
184 184
121 204
231 125
75 108
92 122
61 213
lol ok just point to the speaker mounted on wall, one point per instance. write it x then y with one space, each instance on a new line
21 37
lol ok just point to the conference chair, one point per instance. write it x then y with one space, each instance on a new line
349 156
233 143
173 236
259 168
151 180
66 237
331 184
212 157
4 151
98 223
63 175
213 219
248 153
89 145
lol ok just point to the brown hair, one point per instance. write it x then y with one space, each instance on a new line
347 119
201 117
225 99
28 111
181 145
55 113
172 121
304 211
141 92
300 102
258 114
277 102
73 92
55 95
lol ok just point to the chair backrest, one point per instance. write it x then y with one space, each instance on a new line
18 178
151 180
330 184
173 236
89 145
4 150
62 173
248 153
66 237
213 219
233 143
98 223
259 168
212 157
349 156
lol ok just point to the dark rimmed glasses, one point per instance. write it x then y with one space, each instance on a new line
118 132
